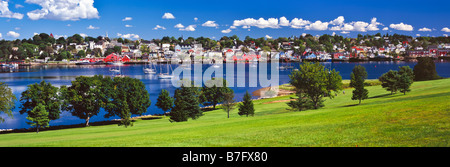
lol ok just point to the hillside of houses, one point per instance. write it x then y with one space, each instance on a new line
44 47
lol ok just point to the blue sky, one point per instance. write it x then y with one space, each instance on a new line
214 19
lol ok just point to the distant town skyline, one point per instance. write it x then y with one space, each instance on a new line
134 19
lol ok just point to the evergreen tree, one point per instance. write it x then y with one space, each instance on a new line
425 69
164 101
357 78
246 107
186 104
389 81
38 117
404 82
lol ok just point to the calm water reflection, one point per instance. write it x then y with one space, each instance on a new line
63 75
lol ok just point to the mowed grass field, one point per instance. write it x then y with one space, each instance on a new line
421 118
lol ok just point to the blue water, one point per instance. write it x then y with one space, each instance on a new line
63 75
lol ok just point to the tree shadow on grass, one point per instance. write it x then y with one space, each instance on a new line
378 96
351 105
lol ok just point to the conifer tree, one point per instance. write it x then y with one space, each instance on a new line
186 104
38 117
357 78
246 107
164 101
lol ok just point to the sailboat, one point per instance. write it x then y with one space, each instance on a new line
165 75
149 70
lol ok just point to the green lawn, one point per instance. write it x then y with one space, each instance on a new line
419 118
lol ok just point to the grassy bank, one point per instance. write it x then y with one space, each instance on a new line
419 118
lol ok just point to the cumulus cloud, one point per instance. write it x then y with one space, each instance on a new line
210 24
63 10
299 23
13 34
189 28
424 29
226 31
446 29
354 26
128 36
338 21
345 32
159 27
195 19
179 26
92 27
402 27
127 19
385 29
128 26
318 26
268 37
260 23
5 12
168 16
284 21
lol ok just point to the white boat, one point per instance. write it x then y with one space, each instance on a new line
166 75
149 70
118 63
114 70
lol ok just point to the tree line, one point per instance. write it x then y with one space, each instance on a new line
313 82
118 96
43 45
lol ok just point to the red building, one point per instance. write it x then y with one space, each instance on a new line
113 57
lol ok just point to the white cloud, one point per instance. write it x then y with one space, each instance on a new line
129 36
345 32
0 35
373 26
159 27
127 19
5 12
418 35
245 27
318 26
168 16
189 28
226 31
68 25
232 27
92 27
385 29
445 35
83 35
299 23
268 37
284 21
446 29
424 29
18 6
195 19
354 26
338 21
13 34
17 28
179 26
63 10
402 27
128 26
260 23
210 24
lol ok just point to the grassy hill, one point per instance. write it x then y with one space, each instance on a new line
419 118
